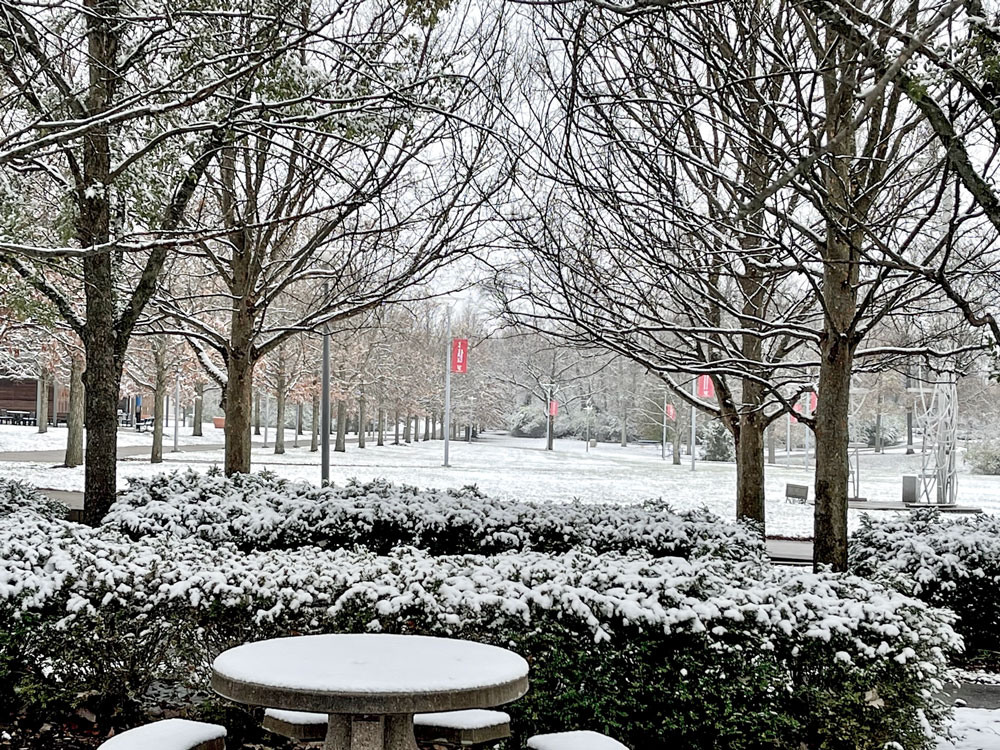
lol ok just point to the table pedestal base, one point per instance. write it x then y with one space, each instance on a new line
370 732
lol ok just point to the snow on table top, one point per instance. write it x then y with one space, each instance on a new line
169 734
973 729
371 664
582 740
472 718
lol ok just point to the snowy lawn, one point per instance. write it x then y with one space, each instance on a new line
18 438
520 469
974 729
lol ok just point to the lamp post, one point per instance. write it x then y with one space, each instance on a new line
325 403
177 407
549 387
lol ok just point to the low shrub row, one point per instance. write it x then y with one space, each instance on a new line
660 652
261 511
947 560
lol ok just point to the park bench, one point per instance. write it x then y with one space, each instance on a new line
580 740
141 425
797 493
464 728
170 734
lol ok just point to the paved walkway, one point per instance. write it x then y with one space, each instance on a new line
790 551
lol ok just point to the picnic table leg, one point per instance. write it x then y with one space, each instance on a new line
370 732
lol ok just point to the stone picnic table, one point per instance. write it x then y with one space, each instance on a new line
370 685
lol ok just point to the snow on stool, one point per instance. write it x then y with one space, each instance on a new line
473 726
574 741
170 734
303 726
469 727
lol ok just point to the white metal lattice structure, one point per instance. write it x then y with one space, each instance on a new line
939 444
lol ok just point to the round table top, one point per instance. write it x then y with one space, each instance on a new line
370 673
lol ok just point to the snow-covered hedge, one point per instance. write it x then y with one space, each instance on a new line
948 560
657 651
262 511
16 496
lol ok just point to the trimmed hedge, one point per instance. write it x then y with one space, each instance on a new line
659 652
261 511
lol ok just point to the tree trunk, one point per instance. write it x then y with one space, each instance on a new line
199 409
677 439
832 468
159 396
406 429
381 426
74 422
314 444
552 429
300 418
427 428
750 469
362 423
341 444
42 415
279 424
238 405
256 414
441 422
771 441
395 427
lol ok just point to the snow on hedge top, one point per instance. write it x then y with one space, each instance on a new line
371 664
16 496
61 567
169 734
260 511
927 551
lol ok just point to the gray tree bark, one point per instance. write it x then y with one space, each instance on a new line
74 422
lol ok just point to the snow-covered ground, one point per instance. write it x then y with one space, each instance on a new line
974 729
518 468
20 438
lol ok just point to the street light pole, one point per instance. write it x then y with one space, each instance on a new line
663 440
694 431
548 414
447 387
325 403
177 407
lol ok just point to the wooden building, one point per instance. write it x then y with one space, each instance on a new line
22 395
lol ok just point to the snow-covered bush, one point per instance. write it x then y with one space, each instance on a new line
984 457
16 496
527 421
658 651
261 511
719 443
947 560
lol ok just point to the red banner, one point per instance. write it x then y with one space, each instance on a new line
812 402
459 355
671 413
798 410
706 388
553 408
